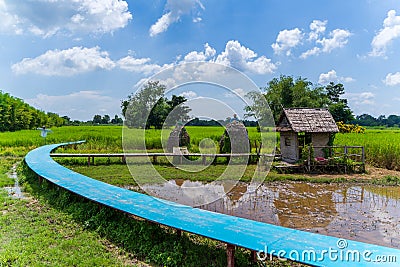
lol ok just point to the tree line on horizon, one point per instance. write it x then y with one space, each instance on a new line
17 115
150 109
282 92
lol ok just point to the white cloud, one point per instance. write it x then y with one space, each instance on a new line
389 32
76 104
100 16
286 40
363 98
68 62
10 23
244 59
235 93
311 52
392 79
325 78
162 24
189 94
69 17
176 9
193 56
339 38
140 65
331 76
79 60
317 27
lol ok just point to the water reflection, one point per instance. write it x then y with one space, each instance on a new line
364 213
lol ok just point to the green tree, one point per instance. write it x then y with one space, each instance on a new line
105 119
136 109
16 115
338 106
177 111
287 92
97 119
149 108
117 120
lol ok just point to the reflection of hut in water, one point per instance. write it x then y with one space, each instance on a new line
303 126
235 138
179 137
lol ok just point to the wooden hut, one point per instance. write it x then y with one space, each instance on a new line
304 126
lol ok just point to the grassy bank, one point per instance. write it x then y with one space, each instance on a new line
35 233
118 174
53 227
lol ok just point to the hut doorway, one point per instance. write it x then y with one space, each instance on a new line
305 139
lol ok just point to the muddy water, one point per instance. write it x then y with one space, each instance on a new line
358 212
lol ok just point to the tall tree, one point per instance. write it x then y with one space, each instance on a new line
287 92
149 108
338 106
177 111
105 119
97 119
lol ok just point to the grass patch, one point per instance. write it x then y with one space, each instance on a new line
35 234
119 175
387 180
5 166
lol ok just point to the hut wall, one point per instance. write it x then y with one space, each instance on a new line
289 147
319 139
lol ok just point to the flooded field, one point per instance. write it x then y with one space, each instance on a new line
359 212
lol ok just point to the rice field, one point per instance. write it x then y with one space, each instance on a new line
382 146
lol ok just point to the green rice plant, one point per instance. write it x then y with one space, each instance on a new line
382 147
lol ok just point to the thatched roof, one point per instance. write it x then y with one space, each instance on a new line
309 120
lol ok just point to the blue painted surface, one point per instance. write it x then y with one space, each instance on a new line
229 229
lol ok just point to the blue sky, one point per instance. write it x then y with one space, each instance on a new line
81 57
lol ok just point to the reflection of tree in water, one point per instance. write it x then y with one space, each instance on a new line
303 205
389 192
364 213
370 214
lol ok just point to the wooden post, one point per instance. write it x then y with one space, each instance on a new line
363 158
88 161
40 179
154 159
309 159
230 254
203 159
345 158
253 255
179 232
123 159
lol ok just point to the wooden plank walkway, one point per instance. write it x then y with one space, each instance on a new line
91 156
309 248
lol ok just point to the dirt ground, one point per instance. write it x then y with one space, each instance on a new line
371 173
